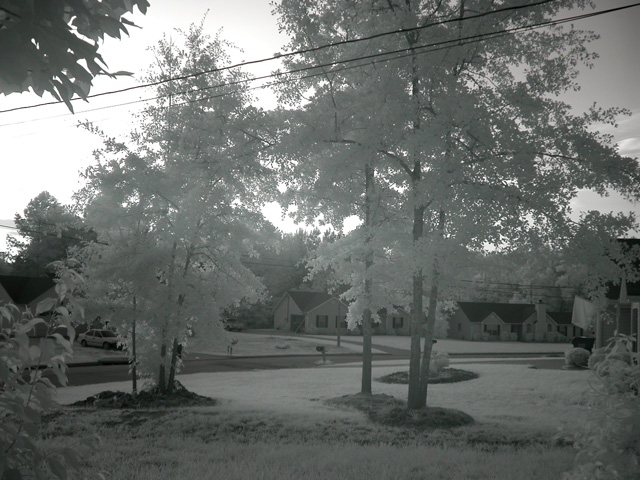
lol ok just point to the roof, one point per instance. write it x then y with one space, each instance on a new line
508 312
561 318
308 300
24 290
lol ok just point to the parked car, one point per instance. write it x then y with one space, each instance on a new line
234 325
99 338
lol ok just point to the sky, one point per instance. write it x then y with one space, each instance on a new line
43 148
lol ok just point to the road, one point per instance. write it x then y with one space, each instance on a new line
83 375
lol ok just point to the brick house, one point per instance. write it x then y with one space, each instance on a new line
310 312
506 321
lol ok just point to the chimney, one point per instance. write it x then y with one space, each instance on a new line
623 288
541 316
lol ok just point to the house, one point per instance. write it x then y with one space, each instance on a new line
396 323
310 312
25 293
505 321
564 325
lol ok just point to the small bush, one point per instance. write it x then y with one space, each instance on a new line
513 336
577 357
528 337
505 336
486 337
439 360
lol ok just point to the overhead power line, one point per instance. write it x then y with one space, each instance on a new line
344 42
288 54
398 54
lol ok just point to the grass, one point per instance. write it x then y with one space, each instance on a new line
203 443
277 424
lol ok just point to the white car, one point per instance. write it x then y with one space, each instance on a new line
99 338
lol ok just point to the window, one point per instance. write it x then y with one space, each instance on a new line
492 329
322 321
528 328
514 328
549 327
397 322
459 327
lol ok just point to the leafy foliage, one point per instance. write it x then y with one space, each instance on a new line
609 442
461 142
173 206
51 229
26 390
53 46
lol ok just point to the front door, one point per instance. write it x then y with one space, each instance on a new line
297 323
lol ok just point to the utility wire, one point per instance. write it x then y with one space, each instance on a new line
289 54
457 41
417 50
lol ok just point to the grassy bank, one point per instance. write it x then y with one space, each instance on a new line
203 443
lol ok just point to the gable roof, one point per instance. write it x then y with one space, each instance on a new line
508 312
561 318
308 300
24 290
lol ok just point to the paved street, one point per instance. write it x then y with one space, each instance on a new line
83 375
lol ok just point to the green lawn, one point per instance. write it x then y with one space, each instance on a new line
202 443
277 425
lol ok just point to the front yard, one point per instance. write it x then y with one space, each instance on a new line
276 424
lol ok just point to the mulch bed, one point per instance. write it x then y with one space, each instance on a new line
447 375
388 410
179 397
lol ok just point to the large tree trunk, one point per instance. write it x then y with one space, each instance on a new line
431 322
162 384
134 359
172 368
417 318
417 315
366 318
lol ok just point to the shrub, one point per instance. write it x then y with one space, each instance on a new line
439 361
513 336
609 440
528 337
486 337
577 357
476 336
505 336
26 393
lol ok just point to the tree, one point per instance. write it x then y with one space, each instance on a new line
469 139
53 46
51 229
172 208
